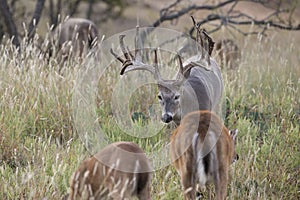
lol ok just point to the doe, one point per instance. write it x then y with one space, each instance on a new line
121 170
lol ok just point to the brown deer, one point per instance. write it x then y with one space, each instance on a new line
121 170
73 38
229 53
202 149
198 84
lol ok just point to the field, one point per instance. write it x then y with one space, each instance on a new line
40 146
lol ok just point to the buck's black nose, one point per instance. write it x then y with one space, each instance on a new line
235 158
166 118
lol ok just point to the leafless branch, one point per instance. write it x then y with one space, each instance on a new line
165 10
169 14
232 7
232 17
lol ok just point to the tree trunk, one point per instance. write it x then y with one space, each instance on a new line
90 9
54 14
73 7
35 18
51 12
9 22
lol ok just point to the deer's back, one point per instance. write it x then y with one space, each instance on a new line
207 86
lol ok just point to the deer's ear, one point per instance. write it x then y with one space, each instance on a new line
233 133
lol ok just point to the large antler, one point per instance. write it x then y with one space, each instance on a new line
206 47
205 41
134 62
184 71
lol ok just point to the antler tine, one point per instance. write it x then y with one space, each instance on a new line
134 62
155 58
205 46
130 54
208 45
137 43
194 21
199 39
116 56
187 69
128 61
211 43
180 64
181 69
205 41
125 62
157 75
121 39
199 36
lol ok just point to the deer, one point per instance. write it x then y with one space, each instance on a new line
74 38
201 150
121 170
228 52
198 84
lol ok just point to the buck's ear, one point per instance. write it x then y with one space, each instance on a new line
233 133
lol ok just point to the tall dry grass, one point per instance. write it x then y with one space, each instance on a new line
40 147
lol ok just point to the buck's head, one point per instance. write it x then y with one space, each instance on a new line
176 97
169 96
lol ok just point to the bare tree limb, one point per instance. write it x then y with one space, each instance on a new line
232 7
175 15
232 17
164 10
10 24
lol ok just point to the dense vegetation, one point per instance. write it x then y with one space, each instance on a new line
40 147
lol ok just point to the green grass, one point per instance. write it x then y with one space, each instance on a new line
40 147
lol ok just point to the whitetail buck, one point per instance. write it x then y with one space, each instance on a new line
228 53
119 171
202 149
198 84
74 37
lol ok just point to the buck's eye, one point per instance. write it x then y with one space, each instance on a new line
177 97
159 97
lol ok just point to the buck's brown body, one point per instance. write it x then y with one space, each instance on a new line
202 150
119 171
